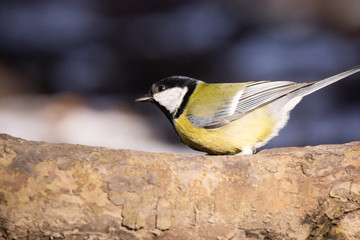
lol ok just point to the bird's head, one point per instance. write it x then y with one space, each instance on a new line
171 94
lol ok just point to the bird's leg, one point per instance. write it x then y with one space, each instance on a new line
247 151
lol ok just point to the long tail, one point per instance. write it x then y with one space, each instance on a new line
325 82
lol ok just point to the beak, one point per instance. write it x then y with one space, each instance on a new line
145 98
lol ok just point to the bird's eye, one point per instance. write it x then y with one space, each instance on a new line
161 88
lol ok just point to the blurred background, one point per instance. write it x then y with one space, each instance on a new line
70 70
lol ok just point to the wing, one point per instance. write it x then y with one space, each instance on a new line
258 94
211 104
250 97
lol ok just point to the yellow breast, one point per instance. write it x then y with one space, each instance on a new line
247 131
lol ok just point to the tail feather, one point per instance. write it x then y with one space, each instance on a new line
325 82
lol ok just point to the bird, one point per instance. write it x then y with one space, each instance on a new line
230 118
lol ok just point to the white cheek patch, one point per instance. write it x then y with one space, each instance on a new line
171 98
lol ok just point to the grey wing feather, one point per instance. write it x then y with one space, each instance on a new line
261 93
216 121
209 123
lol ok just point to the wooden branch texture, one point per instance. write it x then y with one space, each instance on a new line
63 191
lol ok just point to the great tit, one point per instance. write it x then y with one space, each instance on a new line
230 118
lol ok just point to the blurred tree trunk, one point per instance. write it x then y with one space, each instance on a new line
63 191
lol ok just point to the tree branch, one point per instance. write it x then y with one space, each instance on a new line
68 191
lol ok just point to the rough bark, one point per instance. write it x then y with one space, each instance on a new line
63 191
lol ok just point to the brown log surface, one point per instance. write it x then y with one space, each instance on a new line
64 191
